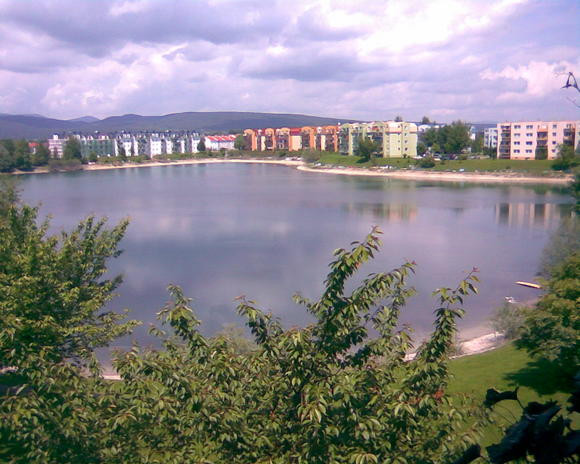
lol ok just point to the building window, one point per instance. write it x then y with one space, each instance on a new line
529 126
516 143
528 151
554 126
529 143
553 134
516 135
529 134
517 126
553 142
516 151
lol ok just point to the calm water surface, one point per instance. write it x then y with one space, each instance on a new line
268 231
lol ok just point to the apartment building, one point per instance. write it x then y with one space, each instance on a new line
218 142
322 138
396 139
490 137
56 146
535 139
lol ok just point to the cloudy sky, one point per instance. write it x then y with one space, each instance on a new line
448 59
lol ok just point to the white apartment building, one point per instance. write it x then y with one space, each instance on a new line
524 139
490 137
56 146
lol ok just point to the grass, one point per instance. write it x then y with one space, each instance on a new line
534 167
504 369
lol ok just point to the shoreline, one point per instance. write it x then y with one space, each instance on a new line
514 178
470 347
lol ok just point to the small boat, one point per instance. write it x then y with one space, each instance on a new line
528 284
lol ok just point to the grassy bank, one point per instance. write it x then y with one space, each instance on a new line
504 369
534 167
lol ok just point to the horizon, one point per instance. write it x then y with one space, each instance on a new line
448 60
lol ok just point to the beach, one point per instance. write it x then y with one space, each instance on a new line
414 174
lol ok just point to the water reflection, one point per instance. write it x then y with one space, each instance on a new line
268 231
385 211
526 214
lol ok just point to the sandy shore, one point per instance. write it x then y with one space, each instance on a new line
441 176
372 172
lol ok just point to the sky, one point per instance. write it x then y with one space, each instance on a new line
489 60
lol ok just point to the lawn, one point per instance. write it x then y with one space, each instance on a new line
504 369
535 167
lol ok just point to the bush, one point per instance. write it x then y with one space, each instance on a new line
508 319
55 165
427 162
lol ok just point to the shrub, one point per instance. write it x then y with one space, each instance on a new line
427 162
508 319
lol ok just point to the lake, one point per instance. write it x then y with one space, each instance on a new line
267 231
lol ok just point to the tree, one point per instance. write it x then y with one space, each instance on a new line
6 159
566 159
427 162
324 393
201 145
421 149
552 329
22 158
122 154
240 142
477 144
72 149
541 153
52 289
425 120
41 156
366 147
398 118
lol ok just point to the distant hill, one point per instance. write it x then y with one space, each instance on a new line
31 127
85 119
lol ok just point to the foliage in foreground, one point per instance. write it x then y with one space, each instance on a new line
325 393
552 329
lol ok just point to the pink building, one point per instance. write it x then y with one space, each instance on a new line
531 139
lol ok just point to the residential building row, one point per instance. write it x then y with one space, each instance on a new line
140 143
395 139
323 138
535 139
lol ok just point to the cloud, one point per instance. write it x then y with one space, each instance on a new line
474 60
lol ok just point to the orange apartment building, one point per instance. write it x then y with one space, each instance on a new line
323 138
526 139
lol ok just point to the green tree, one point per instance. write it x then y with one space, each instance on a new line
240 142
425 120
52 289
566 158
477 144
366 148
421 148
201 145
552 328
72 149
22 158
6 159
324 393
41 156
398 118
93 158
541 153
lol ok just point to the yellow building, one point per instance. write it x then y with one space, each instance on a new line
396 139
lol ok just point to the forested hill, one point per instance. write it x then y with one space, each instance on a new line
33 126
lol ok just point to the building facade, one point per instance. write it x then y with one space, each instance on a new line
395 139
218 142
322 138
490 137
535 139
